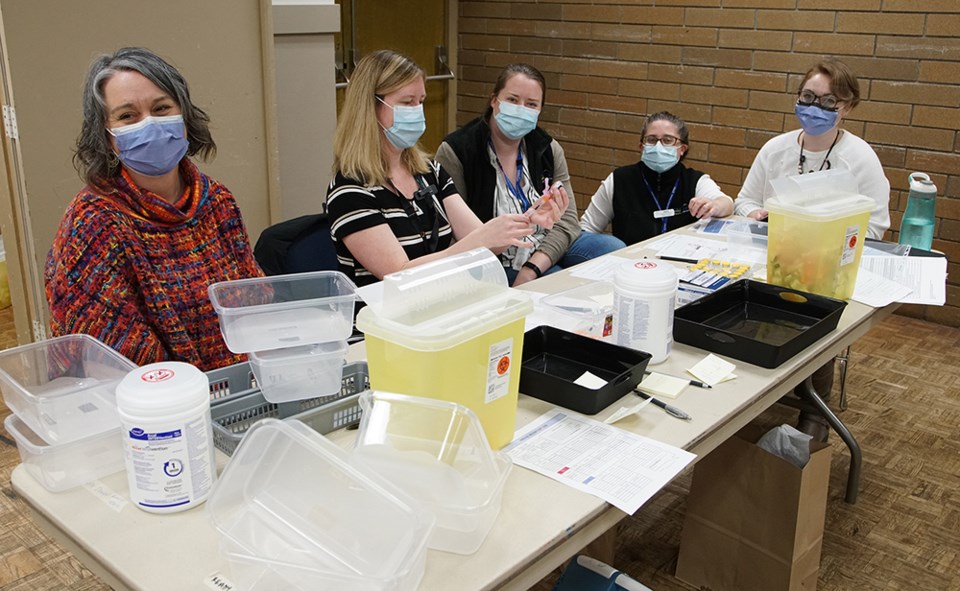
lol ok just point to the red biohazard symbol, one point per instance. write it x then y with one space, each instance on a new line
853 241
503 365
157 375
645 265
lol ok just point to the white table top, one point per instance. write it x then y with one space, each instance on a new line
541 524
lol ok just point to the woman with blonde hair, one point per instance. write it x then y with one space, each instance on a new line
390 206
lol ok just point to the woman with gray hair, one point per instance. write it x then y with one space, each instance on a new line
140 243
658 193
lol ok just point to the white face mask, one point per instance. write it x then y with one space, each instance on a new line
409 123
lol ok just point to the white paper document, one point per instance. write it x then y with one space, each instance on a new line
599 269
617 466
925 276
877 291
712 370
692 248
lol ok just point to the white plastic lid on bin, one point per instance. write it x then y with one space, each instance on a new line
824 209
447 302
290 498
437 452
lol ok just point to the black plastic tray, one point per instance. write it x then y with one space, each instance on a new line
755 322
553 359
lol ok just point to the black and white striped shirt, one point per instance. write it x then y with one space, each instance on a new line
353 206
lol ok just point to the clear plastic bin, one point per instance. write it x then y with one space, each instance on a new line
585 310
64 388
66 465
437 453
264 313
290 502
451 330
815 245
299 372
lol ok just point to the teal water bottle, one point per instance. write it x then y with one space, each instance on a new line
916 229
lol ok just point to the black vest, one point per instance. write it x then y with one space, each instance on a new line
633 203
470 142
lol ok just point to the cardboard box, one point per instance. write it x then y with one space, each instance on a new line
754 521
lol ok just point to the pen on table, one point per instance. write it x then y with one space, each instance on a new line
673 411
678 259
692 382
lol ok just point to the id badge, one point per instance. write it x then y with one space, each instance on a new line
666 213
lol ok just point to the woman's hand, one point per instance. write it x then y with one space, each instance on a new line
549 208
701 207
758 214
503 232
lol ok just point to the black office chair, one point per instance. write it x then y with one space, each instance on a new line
297 246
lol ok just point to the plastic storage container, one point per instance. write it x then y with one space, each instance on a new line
299 372
264 313
586 309
234 414
451 330
293 512
64 388
817 225
554 359
66 465
437 453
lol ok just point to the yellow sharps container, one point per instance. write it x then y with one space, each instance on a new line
814 244
451 330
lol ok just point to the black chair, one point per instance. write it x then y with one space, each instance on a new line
297 246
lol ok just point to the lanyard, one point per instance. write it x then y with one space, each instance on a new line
653 195
515 189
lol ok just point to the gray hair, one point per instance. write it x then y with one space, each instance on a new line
94 157
669 118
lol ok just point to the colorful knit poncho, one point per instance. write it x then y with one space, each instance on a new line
132 269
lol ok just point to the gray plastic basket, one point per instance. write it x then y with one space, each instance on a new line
238 404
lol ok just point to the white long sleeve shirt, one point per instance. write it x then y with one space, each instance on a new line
780 157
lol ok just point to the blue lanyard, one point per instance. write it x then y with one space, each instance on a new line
653 195
515 189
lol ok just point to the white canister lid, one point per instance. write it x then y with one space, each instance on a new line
646 276
162 388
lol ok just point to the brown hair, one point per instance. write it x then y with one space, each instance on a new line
508 73
843 82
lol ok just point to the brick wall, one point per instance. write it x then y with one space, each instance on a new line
731 68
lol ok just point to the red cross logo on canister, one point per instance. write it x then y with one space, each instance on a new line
503 365
645 265
157 375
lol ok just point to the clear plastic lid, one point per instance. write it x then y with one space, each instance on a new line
814 186
441 304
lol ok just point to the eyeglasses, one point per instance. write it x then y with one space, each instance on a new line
667 140
827 102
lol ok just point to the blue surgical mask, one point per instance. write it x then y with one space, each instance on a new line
516 121
152 146
660 158
814 120
409 124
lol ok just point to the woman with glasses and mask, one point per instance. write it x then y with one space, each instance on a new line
390 206
138 246
828 93
658 193
502 162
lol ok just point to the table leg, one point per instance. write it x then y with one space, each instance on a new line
810 396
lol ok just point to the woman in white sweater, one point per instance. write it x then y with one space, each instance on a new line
827 94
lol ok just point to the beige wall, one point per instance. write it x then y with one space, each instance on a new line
220 47
731 68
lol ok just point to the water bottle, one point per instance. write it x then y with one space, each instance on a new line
916 229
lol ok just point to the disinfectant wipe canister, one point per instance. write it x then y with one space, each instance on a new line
167 436
643 299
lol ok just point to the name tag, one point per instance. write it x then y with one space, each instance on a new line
666 213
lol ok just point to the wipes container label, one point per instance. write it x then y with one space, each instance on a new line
849 245
498 370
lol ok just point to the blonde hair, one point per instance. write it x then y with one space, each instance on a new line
357 152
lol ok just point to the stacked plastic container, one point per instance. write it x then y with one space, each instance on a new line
62 393
294 329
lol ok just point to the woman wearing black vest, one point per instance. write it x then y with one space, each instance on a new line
501 162
658 193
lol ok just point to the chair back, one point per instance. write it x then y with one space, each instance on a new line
299 245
